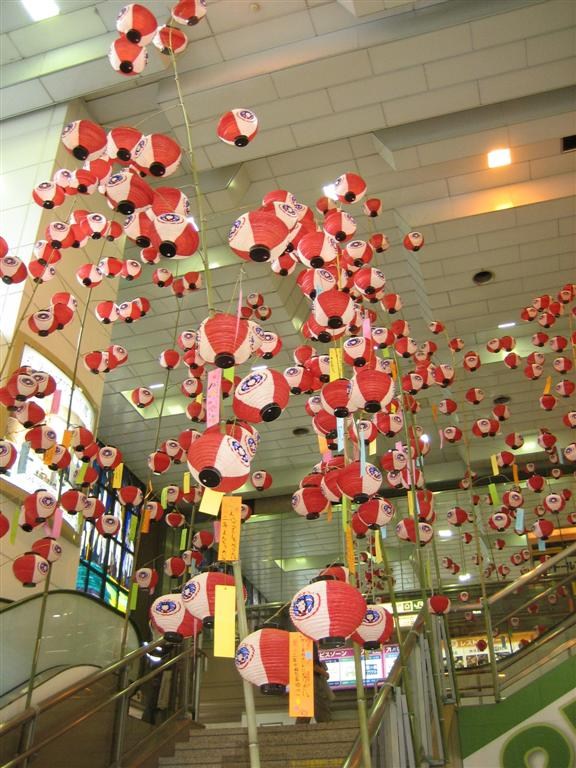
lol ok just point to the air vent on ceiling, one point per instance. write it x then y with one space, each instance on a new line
569 143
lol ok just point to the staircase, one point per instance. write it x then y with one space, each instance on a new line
322 745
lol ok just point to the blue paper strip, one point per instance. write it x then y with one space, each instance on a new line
519 523
340 432
383 531
541 545
23 458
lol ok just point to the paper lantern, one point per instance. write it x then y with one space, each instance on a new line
310 503
225 340
335 398
261 480
328 611
219 462
413 241
169 40
159 462
169 359
199 594
565 388
30 569
146 578
376 512
84 139
93 508
349 188
48 548
439 605
543 529
457 516
339 225
499 521
554 502
237 127
258 236
336 572
127 58
28 414
375 629
130 494
316 249
513 499
48 195
261 396
371 390
175 520
189 12
12 270
108 526
284 265
359 486
8 455
173 236
137 23
372 207
73 501
169 616
369 281
263 658
157 154
36 508
406 531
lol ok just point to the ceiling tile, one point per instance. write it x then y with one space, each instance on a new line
58 31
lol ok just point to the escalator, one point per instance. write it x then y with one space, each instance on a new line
80 635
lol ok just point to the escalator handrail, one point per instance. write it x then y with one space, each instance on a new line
67 693
82 595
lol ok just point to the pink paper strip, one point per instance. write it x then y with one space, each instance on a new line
216 531
441 433
56 398
56 523
366 329
326 456
213 397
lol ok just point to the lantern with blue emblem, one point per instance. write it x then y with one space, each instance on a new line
262 658
169 616
328 611
376 628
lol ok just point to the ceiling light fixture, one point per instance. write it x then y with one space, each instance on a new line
499 157
464 577
425 438
155 386
330 191
38 10
259 368
445 533
506 325
483 276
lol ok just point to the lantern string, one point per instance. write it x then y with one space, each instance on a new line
197 189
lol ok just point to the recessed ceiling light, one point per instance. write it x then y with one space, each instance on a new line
506 325
445 533
425 438
40 9
259 368
330 191
483 276
464 577
501 400
155 386
300 431
499 157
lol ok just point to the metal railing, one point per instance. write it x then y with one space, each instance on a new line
183 698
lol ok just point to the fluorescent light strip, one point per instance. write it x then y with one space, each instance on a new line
155 386
38 10
506 325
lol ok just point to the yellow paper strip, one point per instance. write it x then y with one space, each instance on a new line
345 514
146 522
335 363
547 385
210 503
410 497
394 369
67 438
301 676
228 374
49 455
434 409
372 448
515 475
494 464
350 560
230 521
322 444
186 482
117 476
378 555
225 621
329 514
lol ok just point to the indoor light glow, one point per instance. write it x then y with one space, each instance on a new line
40 9
506 325
330 191
464 577
155 386
425 438
445 533
499 157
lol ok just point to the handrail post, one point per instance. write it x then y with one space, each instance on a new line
120 721
198 670
185 682
248 691
361 701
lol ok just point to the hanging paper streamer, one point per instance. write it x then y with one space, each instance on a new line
67 438
183 539
327 456
485 550
164 496
81 473
547 386
335 364
301 676
117 476
340 433
14 525
230 521
146 522
410 498
225 621
519 522
216 529
372 448
133 527
541 545
378 549
345 513
494 494
186 478
366 329
494 464
210 503
23 458
384 531
434 409
49 455
515 475
229 374
56 399
350 559
133 597
322 444
394 370
386 354
362 445
213 397
57 523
